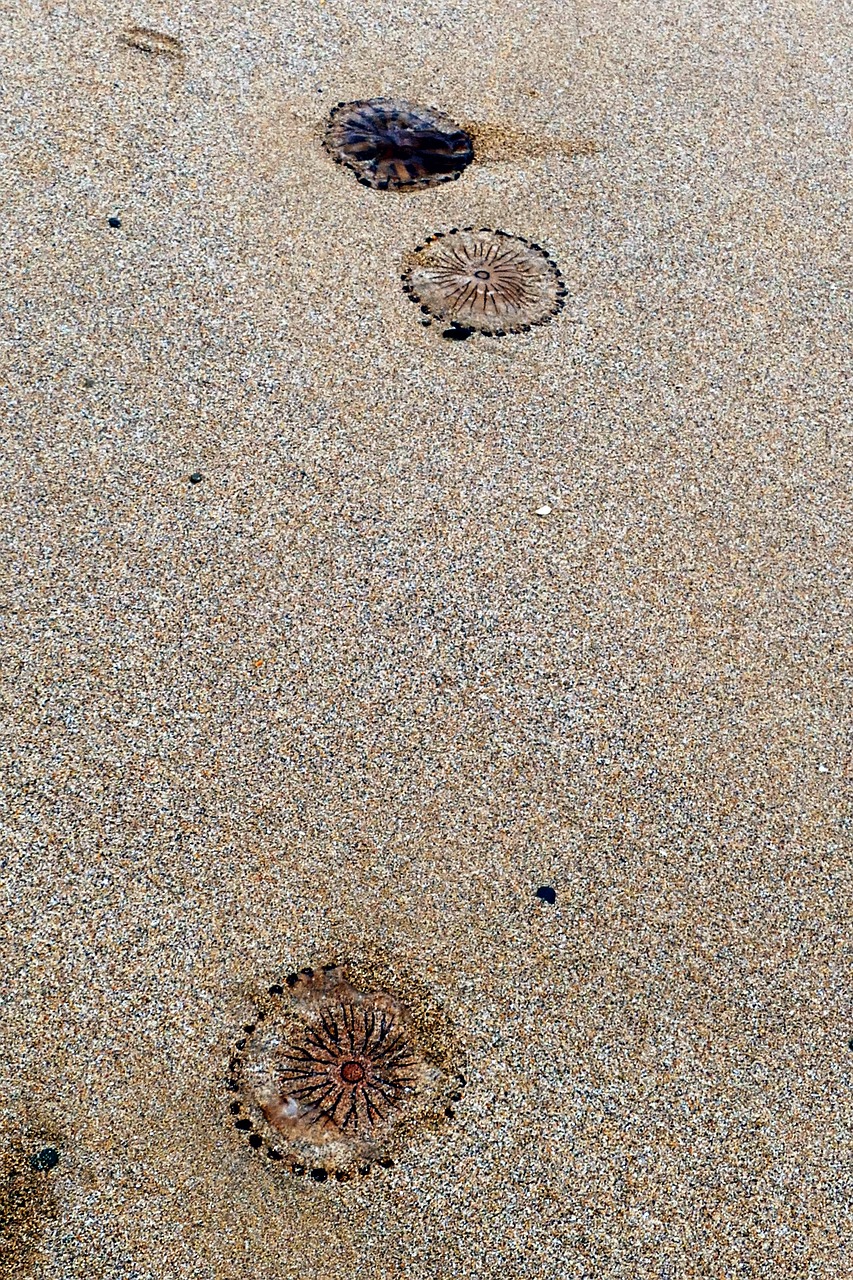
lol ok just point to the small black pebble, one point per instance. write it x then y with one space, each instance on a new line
240 1044
250 1026
235 1108
196 477
850 1045
232 1086
114 222
307 973
448 1111
255 1141
298 1170
291 979
456 1097
319 1175
276 990
47 1158
386 1164
458 333
243 1124
546 893
273 1155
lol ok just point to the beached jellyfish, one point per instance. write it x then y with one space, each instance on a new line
396 145
484 281
331 1078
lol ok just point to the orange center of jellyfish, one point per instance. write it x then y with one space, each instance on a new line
352 1072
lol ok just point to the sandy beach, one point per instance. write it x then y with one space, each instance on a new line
327 640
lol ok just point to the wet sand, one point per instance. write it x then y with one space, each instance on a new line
348 694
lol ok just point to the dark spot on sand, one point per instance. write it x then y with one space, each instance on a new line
47 1158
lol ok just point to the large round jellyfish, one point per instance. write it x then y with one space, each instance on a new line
485 281
331 1078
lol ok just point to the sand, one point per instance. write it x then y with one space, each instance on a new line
349 694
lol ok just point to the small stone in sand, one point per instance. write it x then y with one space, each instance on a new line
47 1158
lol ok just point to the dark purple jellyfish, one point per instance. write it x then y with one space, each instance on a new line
394 145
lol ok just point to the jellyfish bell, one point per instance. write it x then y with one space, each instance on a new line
391 144
484 281
335 1076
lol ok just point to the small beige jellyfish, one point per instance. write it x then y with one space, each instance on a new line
484 281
